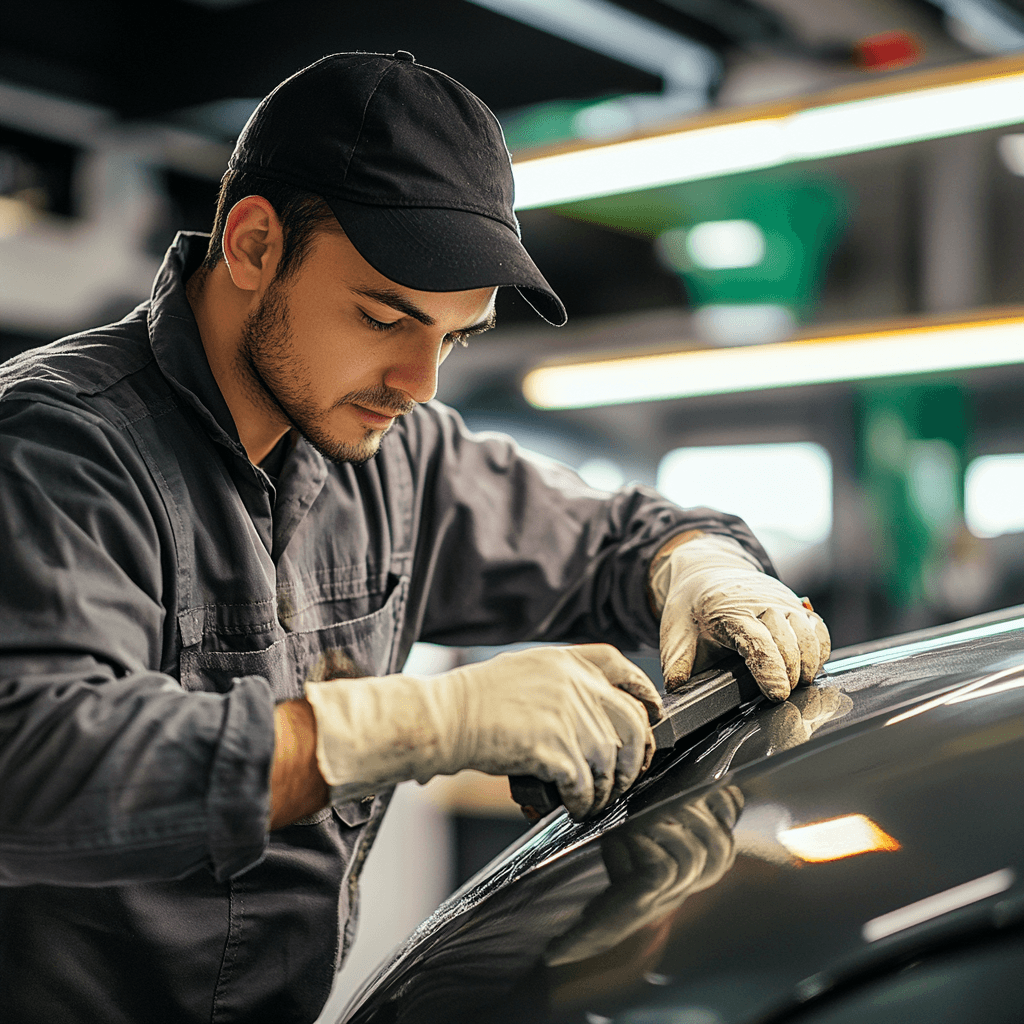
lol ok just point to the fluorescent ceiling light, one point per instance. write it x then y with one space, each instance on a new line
809 134
644 163
848 836
786 364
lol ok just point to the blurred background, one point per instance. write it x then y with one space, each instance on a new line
788 233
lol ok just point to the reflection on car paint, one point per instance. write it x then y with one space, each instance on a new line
941 903
888 653
576 922
836 838
1008 679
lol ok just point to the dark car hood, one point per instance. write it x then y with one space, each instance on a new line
918 743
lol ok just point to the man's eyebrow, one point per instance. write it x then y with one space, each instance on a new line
396 300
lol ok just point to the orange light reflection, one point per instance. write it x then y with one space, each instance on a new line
837 838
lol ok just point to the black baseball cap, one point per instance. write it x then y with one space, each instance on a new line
413 165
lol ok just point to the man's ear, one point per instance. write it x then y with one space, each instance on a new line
252 243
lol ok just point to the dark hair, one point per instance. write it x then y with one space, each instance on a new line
300 212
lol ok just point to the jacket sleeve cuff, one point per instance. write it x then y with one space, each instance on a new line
238 803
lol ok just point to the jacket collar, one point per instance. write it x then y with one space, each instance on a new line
177 345
179 353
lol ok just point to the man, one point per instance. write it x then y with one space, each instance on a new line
216 563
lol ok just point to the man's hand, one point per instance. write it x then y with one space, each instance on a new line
576 716
711 596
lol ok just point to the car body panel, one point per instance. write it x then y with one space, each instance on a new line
921 737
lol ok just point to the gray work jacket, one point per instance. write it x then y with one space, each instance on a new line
160 593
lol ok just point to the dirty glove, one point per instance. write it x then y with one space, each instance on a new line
711 596
653 863
576 716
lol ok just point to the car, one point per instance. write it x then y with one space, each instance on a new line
854 854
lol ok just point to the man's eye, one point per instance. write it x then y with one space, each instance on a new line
376 325
460 338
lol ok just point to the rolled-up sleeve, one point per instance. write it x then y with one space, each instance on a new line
112 773
516 548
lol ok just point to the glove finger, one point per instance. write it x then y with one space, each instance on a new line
628 904
754 643
637 749
678 648
807 639
785 639
576 787
568 771
820 704
600 742
684 851
783 727
586 750
715 838
726 804
623 674
824 640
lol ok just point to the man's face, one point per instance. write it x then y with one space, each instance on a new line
337 350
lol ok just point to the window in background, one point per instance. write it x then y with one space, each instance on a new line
602 474
782 491
994 495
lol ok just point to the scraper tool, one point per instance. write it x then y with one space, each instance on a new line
699 702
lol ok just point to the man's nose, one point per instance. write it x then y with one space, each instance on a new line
415 372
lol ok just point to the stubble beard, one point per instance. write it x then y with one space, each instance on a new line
278 381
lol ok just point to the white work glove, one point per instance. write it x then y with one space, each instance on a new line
711 596
576 716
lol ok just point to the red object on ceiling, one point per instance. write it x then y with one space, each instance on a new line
888 50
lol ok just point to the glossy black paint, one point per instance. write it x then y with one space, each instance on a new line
670 909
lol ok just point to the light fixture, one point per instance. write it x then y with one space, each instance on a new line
725 244
836 839
883 353
779 135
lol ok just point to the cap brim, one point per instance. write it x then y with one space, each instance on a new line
437 250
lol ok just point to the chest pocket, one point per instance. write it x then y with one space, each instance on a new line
365 646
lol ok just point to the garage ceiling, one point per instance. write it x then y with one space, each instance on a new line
202 64
145 60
